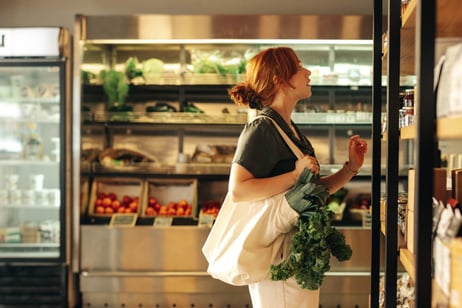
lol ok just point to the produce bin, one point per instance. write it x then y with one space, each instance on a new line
115 195
169 197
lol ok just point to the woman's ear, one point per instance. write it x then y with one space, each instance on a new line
276 80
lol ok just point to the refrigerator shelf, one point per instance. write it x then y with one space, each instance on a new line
27 246
29 250
180 168
31 100
22 162
34 207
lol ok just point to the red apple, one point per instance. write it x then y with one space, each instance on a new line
152 201
107 202
157 207
163 210
99 210
127 200
182 204
150 211
101 195
133 206
115 205
112 196
171 211
121 210
180 211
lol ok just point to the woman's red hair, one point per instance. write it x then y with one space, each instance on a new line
264 73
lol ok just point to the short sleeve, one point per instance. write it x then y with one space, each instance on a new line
259 148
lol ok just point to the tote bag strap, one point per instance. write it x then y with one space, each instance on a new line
298 153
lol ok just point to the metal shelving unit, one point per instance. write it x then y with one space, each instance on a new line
398 51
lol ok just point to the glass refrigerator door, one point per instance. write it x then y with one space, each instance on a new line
31 168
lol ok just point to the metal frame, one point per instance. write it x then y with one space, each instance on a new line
376 154
425 150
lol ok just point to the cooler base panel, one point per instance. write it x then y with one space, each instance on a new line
177 300
34 286
337 292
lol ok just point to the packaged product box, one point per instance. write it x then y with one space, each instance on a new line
456 182
440 191
383 214
455 296
115 195
442 261
84 195
439 186
409 236
30 233
169 197
410 189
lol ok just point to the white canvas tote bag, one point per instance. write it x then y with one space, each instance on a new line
247 237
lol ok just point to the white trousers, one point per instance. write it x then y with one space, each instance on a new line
282 294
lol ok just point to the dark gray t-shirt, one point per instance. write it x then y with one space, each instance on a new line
262 150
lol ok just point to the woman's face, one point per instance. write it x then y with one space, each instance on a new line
301 82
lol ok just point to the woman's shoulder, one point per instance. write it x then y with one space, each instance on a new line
260 125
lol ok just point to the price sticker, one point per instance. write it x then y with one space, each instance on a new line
160 222
123 220
367 219
206 220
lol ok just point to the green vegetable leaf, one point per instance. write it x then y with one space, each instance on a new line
315 240
115 85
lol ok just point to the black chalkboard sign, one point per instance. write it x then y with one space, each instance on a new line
123 220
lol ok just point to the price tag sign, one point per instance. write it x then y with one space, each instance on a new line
367 219
206 220
123 220
160 222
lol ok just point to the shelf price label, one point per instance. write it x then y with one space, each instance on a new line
123 220
206 220
160 222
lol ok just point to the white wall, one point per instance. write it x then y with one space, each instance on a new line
15 13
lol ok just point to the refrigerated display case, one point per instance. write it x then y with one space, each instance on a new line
34 166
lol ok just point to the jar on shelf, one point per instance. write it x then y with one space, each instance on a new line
404 4
409 98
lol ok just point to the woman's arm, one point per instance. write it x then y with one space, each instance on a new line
243 186
356 150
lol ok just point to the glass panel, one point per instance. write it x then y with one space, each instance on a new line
29 161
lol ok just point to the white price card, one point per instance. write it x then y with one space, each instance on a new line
206 220
123 220
160 222
367 219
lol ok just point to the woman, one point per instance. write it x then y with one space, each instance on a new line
264 165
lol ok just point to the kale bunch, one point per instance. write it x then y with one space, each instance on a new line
315 239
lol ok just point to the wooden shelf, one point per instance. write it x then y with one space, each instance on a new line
408 39
449 127
446 128
448 24
407 260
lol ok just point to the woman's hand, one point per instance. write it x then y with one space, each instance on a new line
307 161
356 150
